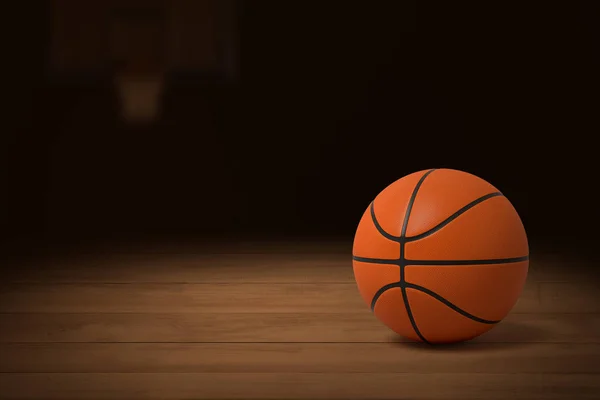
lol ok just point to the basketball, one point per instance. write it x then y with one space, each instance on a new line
440 256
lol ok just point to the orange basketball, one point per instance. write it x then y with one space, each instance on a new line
440 256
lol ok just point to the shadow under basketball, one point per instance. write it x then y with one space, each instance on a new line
507 334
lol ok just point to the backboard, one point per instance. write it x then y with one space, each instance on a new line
138 45
191 37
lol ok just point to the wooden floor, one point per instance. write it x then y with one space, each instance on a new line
274 322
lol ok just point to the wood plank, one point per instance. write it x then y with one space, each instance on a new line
333 386
186 245
59 298
300 357
147 267
271 327
542 297
225 298
556 268
182 268
569 296
228 268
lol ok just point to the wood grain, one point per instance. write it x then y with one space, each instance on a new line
190 268
283 264
382 385
225 298
299 357
569 296
156 297
158 324
538 297
270 327
564 270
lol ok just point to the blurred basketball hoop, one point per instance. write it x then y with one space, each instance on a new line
138 37
141 42
140 96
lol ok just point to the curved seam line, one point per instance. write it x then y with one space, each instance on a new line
381 291
379 227
409 208
431 293
410 315
448 303
453 217
411 202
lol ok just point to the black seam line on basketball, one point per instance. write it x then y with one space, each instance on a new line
409 207
452 217
466 262
381 291
439 262
411 317
448 303
431 293
411 202
379 227
376 260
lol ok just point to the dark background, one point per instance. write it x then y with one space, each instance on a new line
332 102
